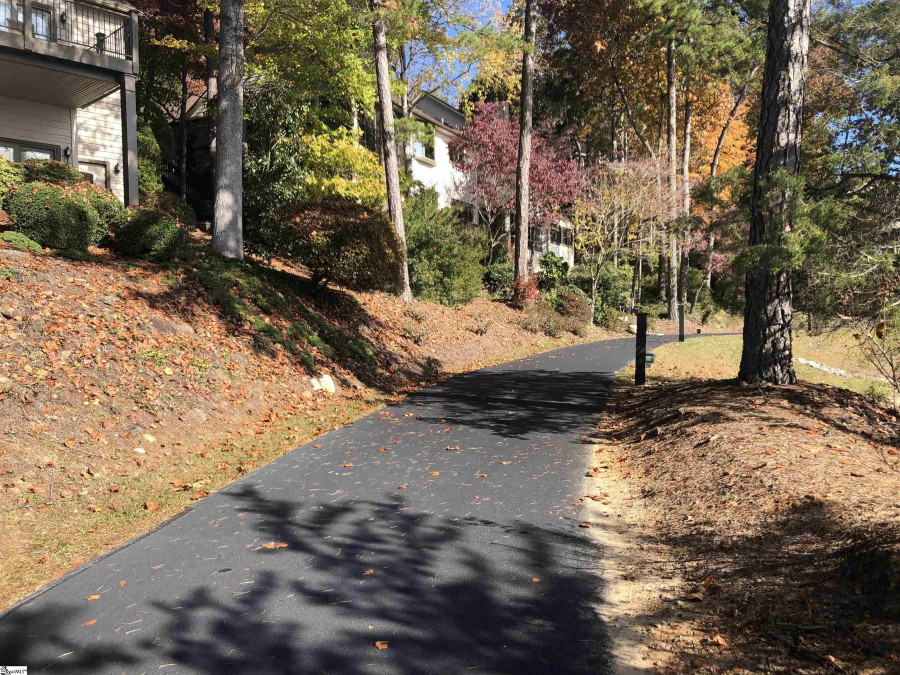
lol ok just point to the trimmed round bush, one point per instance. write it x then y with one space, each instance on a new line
444 258
19 241
49 171
111 211
151 234
11 177
171 206
342 242
55 217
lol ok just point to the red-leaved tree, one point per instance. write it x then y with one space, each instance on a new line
485 154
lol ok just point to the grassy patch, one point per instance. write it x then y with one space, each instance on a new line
720 358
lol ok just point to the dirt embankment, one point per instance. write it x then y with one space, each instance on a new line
766 521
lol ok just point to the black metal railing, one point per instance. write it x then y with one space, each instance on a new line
81 24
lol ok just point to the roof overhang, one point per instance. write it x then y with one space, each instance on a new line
68 85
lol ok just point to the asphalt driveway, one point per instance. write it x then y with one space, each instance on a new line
444 526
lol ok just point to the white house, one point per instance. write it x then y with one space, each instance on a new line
67 87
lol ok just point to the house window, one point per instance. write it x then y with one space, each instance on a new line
19 151
95 172
41 19
568 236
424 143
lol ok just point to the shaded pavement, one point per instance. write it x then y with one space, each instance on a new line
444 525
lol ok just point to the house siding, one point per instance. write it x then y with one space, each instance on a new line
440 175
100 138
35 123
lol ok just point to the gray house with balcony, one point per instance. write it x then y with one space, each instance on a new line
67 87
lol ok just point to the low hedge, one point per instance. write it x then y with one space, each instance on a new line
55 216
109 208
150 234
49 171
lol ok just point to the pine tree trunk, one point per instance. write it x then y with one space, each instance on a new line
523 169
767 353
385 114
671 142
228 237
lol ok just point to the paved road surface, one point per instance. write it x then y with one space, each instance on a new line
453 553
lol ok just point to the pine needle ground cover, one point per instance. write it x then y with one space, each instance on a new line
766 518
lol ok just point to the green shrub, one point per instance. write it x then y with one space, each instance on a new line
171 206
19 241
539 317
498 278
444 259
553 274
55 216
11 177
575 311
151 234
341 242
49 171
149 160
606 317
110 210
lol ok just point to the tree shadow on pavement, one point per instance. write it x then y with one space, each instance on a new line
450 595
519 403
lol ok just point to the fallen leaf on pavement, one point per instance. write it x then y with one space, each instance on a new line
89 623
382 644
93 597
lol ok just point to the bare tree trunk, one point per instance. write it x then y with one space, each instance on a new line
182 131
686 197
385 114
661 273
407 144
714 166
523 169
768 313
228 236
671 142
212 92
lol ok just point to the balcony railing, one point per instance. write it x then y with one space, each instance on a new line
82 24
